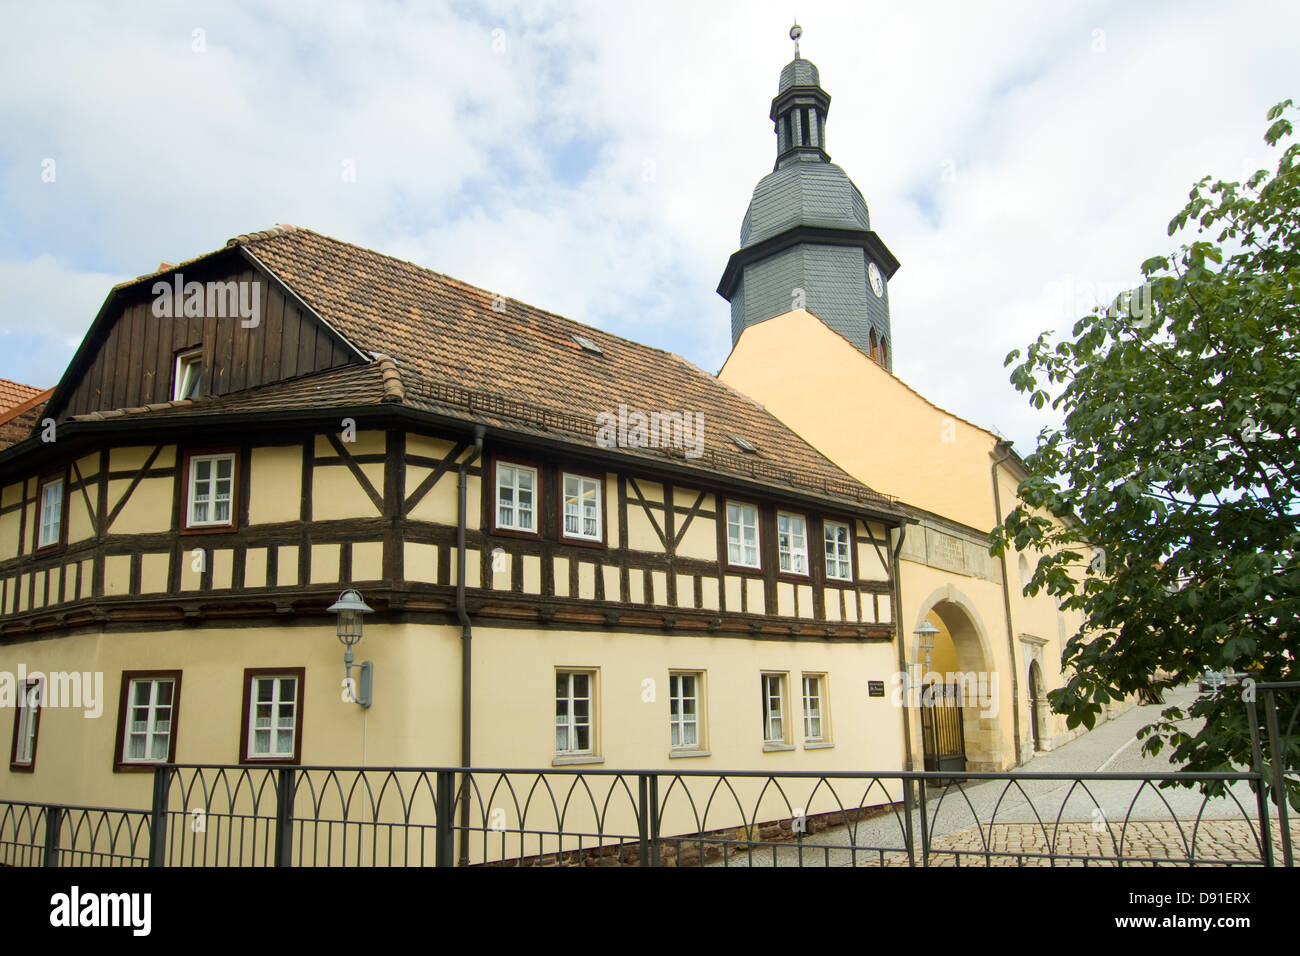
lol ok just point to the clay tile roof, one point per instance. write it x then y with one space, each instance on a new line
345 387
13 394
20 410
440 343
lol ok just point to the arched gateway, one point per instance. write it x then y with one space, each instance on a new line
963 662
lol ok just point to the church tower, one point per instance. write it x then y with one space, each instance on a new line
806 240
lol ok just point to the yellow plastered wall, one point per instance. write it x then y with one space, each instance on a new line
275 476
420 562
798 368
416 697
146 510
700 540
337 494
416 704
10 523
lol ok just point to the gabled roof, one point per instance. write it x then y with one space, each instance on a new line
444 347
452 341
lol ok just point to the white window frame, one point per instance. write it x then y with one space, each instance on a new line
28 718
569 721
834 559
814 708
773 681
50 520
212 499
565 497
273 729
736 545
792 546
152 721
513 524
678 719
187 362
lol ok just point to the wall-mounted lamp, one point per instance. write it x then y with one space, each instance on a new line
351 611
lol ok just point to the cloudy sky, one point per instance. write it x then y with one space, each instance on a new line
596 159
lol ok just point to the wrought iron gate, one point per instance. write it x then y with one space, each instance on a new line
943 740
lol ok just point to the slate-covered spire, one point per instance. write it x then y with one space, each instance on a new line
799 111
806 240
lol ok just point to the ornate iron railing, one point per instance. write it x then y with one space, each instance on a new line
402 816
397 816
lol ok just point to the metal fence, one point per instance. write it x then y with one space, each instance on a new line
314 816
400 816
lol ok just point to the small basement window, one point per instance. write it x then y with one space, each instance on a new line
188 382
587 345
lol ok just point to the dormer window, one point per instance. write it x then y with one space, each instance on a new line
188 380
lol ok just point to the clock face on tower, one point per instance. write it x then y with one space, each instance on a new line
877 280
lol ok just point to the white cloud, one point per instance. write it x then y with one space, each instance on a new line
596 159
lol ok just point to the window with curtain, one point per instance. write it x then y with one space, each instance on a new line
150 719
573 712
813 725
792 542
516 497
582 507
774 708
839 564
684 710
273 717
51 519
212 490
26 722
742 535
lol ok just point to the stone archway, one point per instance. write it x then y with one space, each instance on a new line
981 694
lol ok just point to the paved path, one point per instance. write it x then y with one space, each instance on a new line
1063 817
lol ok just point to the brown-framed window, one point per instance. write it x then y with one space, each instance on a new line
51 512
792 544
148 715
516 497
743 521
271 728
211 490
27 724
582 507
837 545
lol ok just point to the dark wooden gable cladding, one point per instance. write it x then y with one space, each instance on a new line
132 360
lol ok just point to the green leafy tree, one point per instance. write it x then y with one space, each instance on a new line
1174 478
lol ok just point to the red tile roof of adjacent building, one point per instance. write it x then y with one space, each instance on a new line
20 410
13 394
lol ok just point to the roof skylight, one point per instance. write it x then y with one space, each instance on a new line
745 445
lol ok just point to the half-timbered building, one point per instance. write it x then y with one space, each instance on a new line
578 549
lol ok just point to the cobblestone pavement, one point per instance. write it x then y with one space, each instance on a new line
1141 843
